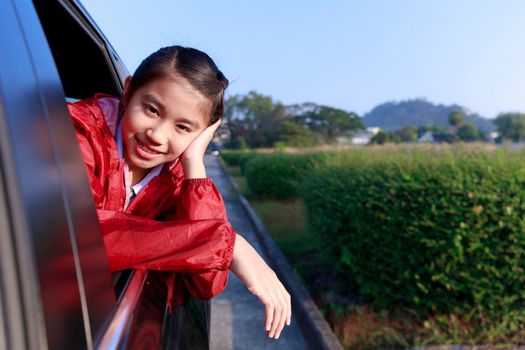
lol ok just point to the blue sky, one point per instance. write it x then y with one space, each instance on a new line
352 55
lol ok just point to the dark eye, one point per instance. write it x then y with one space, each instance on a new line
152 110
183 128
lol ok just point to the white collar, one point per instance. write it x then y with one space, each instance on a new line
152 173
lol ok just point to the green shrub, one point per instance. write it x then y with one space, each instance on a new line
278 175
238 158
434 232
234 157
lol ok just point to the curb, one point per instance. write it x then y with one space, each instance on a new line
314 327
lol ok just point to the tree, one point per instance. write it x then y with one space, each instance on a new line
468 132
436 128
330 122
265 129
295 135
232 125
257 120
253 118
511 126
407 134
383 137
456 118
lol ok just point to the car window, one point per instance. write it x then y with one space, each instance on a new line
81 56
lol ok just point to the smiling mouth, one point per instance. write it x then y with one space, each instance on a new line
147 149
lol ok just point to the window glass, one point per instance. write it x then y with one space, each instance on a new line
82 60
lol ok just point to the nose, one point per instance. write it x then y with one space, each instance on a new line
158 134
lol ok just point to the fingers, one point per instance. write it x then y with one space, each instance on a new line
275 323
287 312
278 323
197 148
282 312
289 307
212 128
207 134
217 123
269 309
281 324
262 281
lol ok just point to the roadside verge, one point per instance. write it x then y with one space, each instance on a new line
314 327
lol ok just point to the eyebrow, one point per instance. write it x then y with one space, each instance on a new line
192 123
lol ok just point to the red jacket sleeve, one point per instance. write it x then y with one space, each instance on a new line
199 199
177 245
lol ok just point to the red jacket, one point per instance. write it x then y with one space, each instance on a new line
173 224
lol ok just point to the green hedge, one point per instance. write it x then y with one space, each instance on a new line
235 157
431 232
278 175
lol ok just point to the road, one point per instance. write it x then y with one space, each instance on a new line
237 316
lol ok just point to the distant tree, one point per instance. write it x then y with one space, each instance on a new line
407 134
253 118
468 132
435 128
511 126
232 125
456 118
301 108
295 135
383 137
257 120
330 122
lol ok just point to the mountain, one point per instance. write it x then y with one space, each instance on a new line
419 112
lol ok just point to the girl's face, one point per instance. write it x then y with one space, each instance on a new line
160 121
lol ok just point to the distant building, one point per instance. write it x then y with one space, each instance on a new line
493 137
361 137
374 130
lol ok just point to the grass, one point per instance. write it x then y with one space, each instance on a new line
286 221
240 180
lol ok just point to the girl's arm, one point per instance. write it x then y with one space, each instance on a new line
247 264
199 199
179 245
257 276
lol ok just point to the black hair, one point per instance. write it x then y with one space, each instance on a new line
193 65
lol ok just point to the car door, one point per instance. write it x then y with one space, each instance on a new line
56 290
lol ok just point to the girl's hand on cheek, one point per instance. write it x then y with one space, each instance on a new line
251 269
192 158
197 148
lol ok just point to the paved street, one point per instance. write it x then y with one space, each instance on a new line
237 317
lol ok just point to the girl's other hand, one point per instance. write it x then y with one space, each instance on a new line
197 148
257 276
192 158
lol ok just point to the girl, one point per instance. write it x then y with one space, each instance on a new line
157 209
